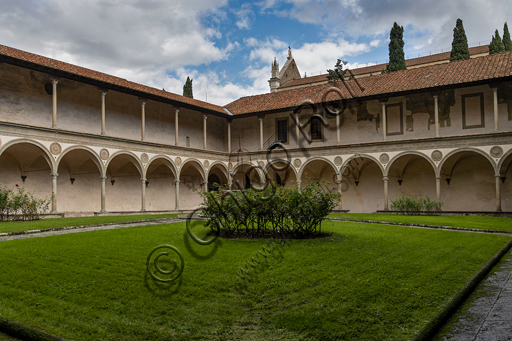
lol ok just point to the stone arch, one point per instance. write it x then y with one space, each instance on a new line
243 176
29 164
160 175
196 164
123 185
46 153
217 173
282 173
362 184
79 180
467 183
410 152
411 173
505 162
95 157
505 172
467 149
301 170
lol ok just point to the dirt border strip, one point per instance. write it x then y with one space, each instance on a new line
163 220
458 300
421 225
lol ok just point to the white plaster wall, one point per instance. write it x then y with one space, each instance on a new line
368 195
123 117
247 131
160 194
160 120
418 180
217 133
84 195
23 98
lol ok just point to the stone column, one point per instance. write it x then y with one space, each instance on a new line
261 132
339 191
177 193
498 193
229 136
386 193
338 133
54 102
143 125
297 130
436 113
298 184
438 188
54 192
383 103
103 93
204 131
205 184
103 178
177 110
495 96
143 194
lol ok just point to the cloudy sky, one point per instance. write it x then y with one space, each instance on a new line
227 47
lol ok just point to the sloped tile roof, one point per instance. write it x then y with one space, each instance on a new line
8 54
445 56
481 69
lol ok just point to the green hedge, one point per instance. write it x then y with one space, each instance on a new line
275 211
411 205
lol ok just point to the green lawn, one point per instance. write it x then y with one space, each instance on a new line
4 337
15 226
366 282
475 222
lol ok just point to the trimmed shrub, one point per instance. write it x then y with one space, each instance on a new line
273 212
420 205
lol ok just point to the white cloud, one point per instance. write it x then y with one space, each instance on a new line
244 22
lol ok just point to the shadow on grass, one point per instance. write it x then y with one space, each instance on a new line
161 289
207 251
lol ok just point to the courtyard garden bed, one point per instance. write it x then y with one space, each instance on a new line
364 282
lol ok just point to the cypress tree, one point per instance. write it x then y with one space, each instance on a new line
187 88
396 49
496 45
507 43
460 48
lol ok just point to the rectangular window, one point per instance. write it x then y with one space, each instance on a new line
282 131
473 111
316 129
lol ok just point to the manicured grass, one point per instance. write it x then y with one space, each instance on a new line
15 226
365 282
475 222
4 337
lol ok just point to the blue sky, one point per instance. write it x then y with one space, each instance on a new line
227 47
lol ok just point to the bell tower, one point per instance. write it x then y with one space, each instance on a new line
275 81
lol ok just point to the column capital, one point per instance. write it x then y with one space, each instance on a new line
385 178
229 119
177 182
438 178
143 179
261 116
53 79
205 116
494 85
103 91
176 110
143 100
103 178
383 100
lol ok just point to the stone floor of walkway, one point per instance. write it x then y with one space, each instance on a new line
487 314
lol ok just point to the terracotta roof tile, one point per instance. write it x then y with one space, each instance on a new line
379 67
49 63
428 77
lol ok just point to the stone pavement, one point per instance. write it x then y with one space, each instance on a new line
489 309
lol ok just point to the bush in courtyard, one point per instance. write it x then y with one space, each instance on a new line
20 205
411 205
273 212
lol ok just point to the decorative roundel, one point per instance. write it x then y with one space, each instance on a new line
297 163
230 166
55 148
384 158
338 161
144 157
437 155
206 163
261 164
104 154
496 151
178 161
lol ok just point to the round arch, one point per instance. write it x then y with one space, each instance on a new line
133 158
301 170
46 153
353 157
250 166
218 164
196 164
95 157
411 152
467 149
172 165
503 158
